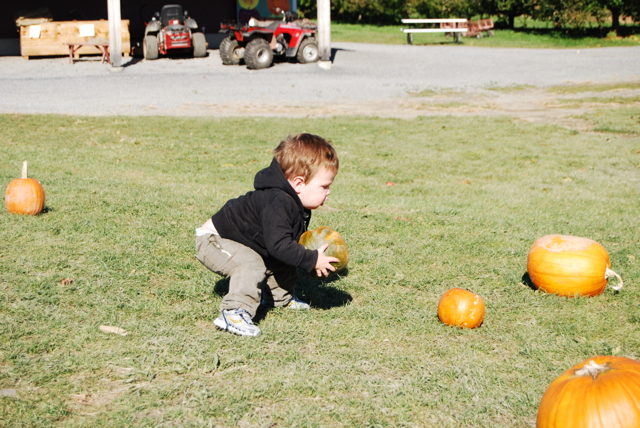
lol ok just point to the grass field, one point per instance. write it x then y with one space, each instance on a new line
115 246
531 35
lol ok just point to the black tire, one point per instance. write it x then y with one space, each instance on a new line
150 47
258 54
479 36
490 33
199 45
230 52
308 51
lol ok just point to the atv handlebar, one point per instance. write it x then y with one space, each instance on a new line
287 16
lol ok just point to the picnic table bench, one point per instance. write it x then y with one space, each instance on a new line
451 25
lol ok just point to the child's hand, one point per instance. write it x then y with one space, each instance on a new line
323 264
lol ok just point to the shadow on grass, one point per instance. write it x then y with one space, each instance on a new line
526 279
319 293
578 33
46 209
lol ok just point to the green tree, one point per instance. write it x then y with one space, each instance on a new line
615 7
511 9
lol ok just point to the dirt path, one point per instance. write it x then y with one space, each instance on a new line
528 104
365 79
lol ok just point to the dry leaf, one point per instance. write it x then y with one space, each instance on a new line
114 330
66 281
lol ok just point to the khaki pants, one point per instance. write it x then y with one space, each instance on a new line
247 274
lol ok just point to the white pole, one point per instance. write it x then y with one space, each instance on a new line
324 33
115 33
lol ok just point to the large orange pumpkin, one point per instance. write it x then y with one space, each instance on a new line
314 239
570 266
24 195
461 308
600 392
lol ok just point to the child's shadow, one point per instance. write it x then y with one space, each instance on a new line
317 292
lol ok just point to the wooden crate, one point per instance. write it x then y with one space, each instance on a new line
53 36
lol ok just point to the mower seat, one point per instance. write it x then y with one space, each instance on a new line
170 12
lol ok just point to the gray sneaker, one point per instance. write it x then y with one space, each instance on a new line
296 303
237 321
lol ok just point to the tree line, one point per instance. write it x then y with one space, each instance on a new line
574 14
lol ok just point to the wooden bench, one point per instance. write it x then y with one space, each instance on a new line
103 47
450 26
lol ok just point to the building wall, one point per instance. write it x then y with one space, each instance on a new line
207 14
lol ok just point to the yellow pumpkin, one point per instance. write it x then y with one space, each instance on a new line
570 266
314 239
461 308
600 392
24 195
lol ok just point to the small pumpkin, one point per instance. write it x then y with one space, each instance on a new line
570 266
24 195
316 238
461 308
600 392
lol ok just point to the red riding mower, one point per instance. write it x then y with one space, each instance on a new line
170 30
258 41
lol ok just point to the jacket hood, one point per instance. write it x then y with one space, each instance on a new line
273 177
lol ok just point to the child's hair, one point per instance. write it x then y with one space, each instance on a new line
304 155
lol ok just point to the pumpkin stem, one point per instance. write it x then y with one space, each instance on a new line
24 169
592 369
608 274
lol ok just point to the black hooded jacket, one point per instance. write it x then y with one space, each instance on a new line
269 220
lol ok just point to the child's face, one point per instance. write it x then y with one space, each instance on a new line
314 193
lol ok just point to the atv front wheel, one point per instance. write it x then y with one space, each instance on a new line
150 47
258 54
308 51
199 45
230 52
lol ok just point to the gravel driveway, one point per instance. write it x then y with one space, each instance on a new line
364 79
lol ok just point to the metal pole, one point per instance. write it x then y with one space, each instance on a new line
115 33
324 33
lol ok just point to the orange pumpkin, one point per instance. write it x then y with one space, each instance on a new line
461 308
314 239
600 392
570 266
24 195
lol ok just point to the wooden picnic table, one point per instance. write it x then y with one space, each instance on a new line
103 47
452 27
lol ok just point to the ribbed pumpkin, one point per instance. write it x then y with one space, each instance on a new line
600 392
570 266
461 308
316 238
24 195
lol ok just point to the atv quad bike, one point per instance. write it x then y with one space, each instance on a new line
258 41
171 30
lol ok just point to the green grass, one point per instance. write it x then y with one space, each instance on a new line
509 88
522 37
576 89
621 121
470 196
435 92
630 100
